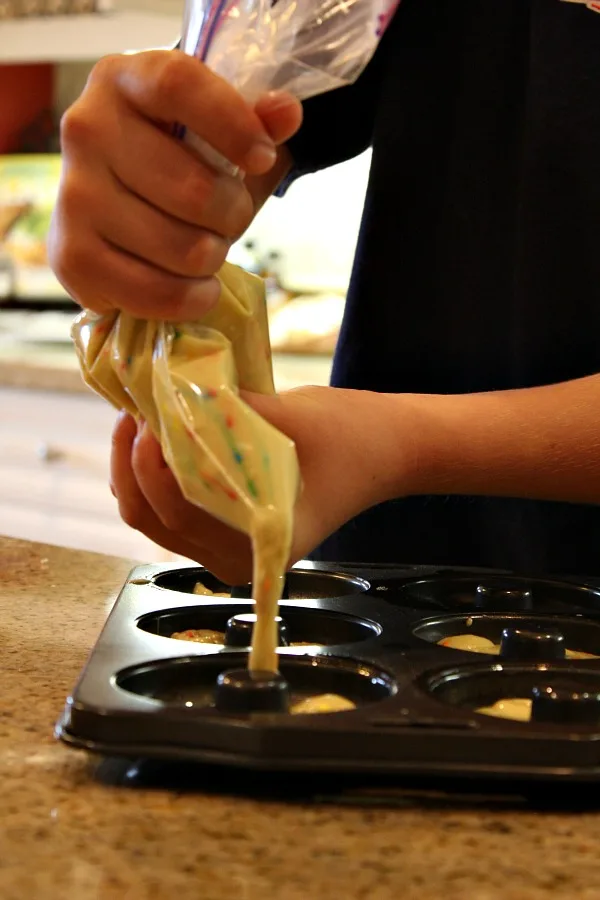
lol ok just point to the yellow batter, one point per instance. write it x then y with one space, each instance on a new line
475 644
200 636
207 636
183 380
322 703
202 591
516 708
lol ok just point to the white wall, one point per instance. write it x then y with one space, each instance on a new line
315 226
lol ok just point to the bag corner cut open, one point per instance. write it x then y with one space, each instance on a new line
184 380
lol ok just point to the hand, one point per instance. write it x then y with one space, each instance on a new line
141 223
346 449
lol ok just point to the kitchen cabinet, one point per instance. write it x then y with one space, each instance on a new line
54 467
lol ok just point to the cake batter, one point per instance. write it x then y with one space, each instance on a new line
473 643
202 591
322 703
516 708
206 636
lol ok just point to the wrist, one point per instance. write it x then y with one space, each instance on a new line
415 444
439 426
388 441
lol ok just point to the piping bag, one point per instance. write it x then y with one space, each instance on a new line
184 379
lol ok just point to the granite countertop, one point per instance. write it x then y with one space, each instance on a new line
68 832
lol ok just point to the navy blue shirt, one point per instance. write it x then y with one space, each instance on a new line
478 263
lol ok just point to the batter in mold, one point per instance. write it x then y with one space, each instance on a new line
184 381
473 643
516 708
322 703
207 636
200 636
202 591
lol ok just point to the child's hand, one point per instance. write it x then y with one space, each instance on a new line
141 223
346 448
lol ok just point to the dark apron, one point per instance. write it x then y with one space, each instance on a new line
478 265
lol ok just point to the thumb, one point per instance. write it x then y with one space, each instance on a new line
293 411
281 114
271 407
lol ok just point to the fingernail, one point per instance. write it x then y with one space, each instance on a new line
140 426
278 100
261 157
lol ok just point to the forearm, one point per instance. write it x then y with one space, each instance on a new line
537 443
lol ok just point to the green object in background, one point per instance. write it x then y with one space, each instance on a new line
28 191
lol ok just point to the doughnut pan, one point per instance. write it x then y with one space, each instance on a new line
370 634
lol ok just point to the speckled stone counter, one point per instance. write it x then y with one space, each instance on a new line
65 833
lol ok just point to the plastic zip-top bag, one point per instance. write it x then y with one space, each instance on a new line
305 47
184 379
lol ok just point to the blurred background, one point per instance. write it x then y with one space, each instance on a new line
54 434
